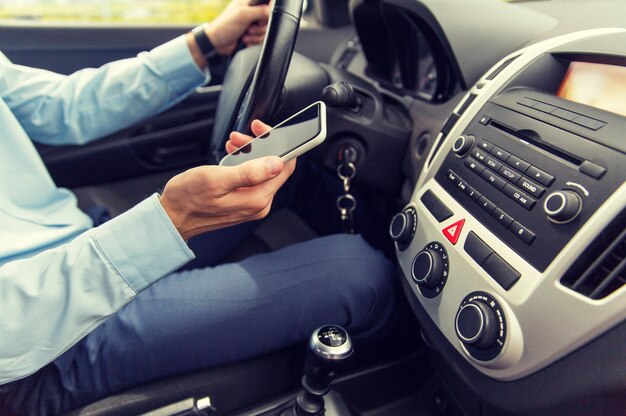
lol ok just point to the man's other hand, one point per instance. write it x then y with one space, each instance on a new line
238 20
210 197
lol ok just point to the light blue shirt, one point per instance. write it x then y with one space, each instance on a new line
60 278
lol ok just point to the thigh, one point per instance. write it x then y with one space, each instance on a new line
203 318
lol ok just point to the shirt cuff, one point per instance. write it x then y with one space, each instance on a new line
173 62
142 244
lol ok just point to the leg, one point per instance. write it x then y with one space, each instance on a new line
204 318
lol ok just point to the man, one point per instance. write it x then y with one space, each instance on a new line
69 333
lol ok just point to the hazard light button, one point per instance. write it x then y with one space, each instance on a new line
452 232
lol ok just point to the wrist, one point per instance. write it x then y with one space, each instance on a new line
205 47
175 216
216 40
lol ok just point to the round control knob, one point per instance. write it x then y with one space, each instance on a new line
463 144
476 325
402 227
562 206
428 268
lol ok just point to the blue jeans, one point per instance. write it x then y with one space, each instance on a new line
203 318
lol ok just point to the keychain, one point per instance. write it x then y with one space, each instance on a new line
346 203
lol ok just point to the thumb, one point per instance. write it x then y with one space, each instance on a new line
252 173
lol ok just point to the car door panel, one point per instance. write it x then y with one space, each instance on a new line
176 138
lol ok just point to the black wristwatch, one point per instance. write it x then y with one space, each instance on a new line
209 52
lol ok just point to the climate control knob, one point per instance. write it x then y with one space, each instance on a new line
427 268
562 206
463 144
476 325
402 227
481 326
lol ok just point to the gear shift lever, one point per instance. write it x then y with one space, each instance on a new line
329 347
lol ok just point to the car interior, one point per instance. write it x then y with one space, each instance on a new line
487 144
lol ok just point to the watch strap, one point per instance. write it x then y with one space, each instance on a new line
206 46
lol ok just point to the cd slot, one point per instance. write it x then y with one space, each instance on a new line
533 138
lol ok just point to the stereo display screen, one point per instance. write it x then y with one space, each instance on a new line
597 85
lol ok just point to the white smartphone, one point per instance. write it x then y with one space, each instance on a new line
288 139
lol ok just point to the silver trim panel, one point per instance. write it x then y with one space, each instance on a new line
546 320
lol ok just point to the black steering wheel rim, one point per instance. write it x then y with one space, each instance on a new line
263 92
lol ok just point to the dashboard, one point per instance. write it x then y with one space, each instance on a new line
512 238
521 191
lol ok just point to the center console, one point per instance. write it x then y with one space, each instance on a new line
513 242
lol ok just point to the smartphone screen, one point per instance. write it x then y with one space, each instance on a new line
282 139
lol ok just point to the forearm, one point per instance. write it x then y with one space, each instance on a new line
92 103
52 300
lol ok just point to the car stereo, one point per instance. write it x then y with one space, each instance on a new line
513 241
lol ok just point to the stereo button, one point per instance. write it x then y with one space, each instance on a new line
518 163
519 197
540 176
544 108
502 217
592 169
500 154
510 174
440 211
452 176
472 193
522 232
492 163
476 248
478 154
501 271
590 123
486 204
564 114
530 187
493 179
527 102
474 166
484 145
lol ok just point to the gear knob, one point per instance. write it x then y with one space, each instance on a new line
331 343
329 347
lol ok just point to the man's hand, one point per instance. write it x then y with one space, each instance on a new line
210 197
238 20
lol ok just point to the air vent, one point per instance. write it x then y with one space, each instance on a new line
468 101
601 270
447 126
450 122
500 68
352 48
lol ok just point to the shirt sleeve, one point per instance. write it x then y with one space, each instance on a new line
91 103
50 301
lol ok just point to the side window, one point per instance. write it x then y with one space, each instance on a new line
164 12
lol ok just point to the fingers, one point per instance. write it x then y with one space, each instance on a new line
257 29
261 195
260 12
237 140
258 127
252 40
250 174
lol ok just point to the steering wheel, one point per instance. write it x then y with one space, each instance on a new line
245 97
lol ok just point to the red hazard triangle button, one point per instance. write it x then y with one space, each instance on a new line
452 232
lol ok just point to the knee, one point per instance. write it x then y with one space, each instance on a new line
364 277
